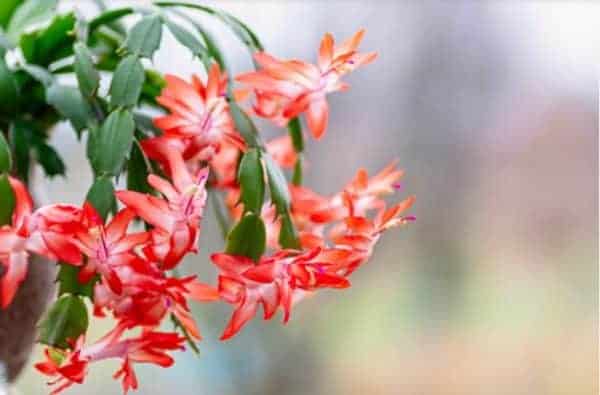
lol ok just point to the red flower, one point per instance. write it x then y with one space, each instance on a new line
70 367
274 282
46 232
285 89
107 247
148 296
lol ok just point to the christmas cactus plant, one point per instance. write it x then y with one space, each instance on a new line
177 141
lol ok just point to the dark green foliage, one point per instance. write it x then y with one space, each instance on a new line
280 194
54 42
7 200
102 196
288 235
252 181
7 9
5 156
144 37
20 137
49 159
127 82
69 283
69 103
295 130
27 14
138 170
109 145
248 237
66 319
87 75
244 126
188 39
9 93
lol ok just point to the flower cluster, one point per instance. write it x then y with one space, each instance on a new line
131 267
200 148
134 284
337 235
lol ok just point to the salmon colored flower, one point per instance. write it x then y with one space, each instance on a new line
366 194
270 106
199 112
107 247
46 232
176 217
359 233
70 367
285 89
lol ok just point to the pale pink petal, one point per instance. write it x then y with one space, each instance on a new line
163 186
147 208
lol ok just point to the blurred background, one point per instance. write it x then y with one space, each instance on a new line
492 110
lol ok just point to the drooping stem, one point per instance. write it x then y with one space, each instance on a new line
295 131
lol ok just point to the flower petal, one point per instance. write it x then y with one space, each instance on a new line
16 270
326 52
317 117
240 317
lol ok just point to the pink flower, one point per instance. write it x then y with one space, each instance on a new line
107 247
175 217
